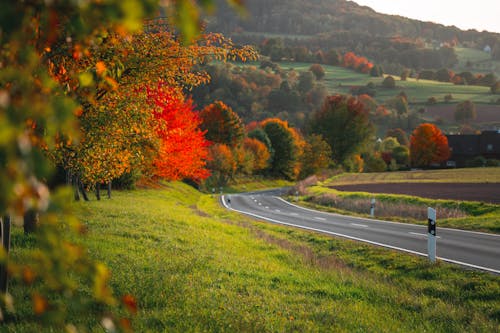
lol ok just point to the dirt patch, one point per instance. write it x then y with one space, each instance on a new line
484 192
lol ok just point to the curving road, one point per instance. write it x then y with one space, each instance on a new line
467 248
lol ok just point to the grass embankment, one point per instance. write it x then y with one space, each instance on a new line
194 266
464 215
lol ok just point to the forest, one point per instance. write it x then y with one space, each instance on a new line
346 26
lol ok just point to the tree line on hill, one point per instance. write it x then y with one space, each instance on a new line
344 25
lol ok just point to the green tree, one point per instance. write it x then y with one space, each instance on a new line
402 155
389 82
285 148
465 111
343 122
306 82
399 134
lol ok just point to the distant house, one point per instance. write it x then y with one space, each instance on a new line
487 49
464 148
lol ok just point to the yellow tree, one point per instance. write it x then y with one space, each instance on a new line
34 108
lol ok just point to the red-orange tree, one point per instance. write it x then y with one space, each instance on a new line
428 145
183 150
115 132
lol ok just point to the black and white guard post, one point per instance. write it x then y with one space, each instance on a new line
431 228
372 208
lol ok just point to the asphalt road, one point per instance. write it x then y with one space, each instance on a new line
472 249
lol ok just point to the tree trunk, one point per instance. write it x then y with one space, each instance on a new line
98 191
82 189
76 187
109 189
5 237
31 221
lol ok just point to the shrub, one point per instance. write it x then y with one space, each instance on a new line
477 161
491 162
389 82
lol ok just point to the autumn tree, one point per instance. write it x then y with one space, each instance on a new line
286 150
465 111
260 154
428 145
48 74
183 150
108 82
316 157
318 71
221 164
343 122
222 124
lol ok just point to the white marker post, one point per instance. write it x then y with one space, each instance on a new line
431 240
372 208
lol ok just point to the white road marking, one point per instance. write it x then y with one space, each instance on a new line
294 214
320 218
277 211
358 239
260 203
359 225
267 207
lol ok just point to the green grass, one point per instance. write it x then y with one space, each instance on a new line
475 56
465 175
339 80
194 267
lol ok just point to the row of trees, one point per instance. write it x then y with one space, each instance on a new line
91 87
463 78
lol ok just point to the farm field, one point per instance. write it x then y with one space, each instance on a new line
340 80
467 198
194 266
483 192
487 115
465 175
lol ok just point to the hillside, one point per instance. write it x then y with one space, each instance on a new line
340 24
193 266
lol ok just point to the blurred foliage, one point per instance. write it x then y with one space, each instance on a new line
57 58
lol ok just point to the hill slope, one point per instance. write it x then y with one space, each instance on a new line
194 266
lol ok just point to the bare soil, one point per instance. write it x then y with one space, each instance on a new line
484 192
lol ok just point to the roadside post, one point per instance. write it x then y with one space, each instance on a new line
296 196
213 191
431 228
372 208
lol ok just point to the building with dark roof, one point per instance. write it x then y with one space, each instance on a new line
466 147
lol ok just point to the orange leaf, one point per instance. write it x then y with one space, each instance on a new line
40 304
130 303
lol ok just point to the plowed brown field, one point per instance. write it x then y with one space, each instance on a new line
485 192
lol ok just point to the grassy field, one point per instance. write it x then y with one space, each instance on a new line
465 175
339 80
475 56
195 267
